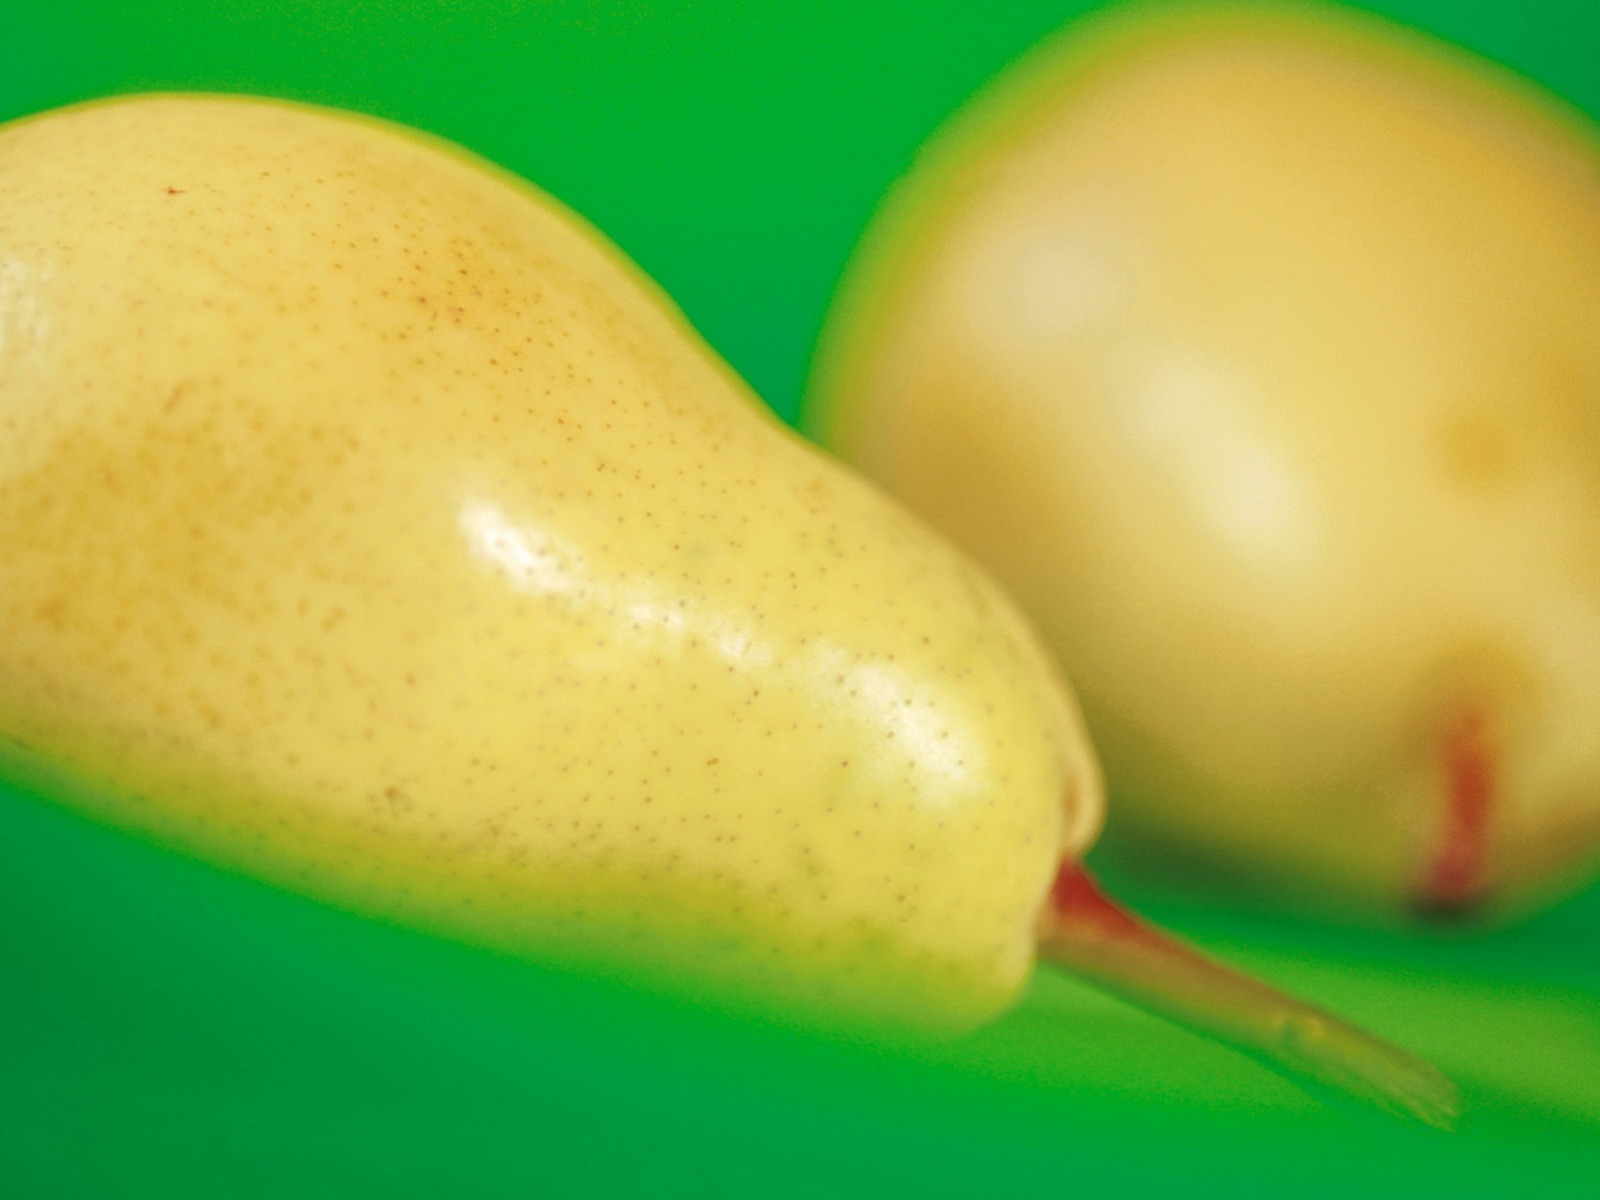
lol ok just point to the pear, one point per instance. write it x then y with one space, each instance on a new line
368 524
1255 353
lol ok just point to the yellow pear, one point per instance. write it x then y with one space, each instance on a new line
1256 353
369 524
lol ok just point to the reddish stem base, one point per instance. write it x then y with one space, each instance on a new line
1455 882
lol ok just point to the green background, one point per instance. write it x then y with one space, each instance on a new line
170 1030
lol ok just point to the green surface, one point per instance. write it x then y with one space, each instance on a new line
168 1030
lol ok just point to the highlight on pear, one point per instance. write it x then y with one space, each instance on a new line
371 525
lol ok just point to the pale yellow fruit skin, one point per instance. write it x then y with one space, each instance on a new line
368 523
1257 354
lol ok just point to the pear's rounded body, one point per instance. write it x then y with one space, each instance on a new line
1257 354
368 523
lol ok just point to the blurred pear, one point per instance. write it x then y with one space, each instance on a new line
1258 353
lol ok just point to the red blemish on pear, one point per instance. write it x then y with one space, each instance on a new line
1455 880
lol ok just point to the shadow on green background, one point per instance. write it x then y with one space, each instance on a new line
170 1030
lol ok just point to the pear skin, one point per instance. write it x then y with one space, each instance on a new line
1254 352
368 524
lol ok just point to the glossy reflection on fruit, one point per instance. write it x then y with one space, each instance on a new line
1256 353
367 523
365 520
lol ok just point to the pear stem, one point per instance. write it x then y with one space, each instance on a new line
1095 939
1455 879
